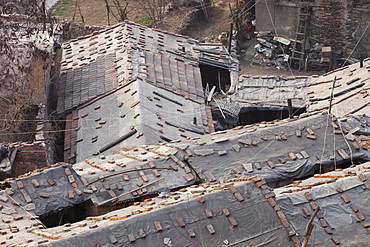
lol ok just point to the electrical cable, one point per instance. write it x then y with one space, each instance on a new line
362 35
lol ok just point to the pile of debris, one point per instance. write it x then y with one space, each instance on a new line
276 50
271 50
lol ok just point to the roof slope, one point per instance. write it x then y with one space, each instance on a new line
251 220
350 94
106 181
132 174
277 150
97 64
145 113
118 80
271 91
49 189
343 198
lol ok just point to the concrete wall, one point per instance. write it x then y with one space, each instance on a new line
286 20
285 17
263 17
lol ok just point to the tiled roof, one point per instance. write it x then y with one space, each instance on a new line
342 197
174 75
239 211
112 57
127 76
82 84
153 113
269 91
351 90
258 215
220 213
132 174
48 189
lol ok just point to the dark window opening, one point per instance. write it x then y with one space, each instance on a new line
213 76
223 120
256 116
80 211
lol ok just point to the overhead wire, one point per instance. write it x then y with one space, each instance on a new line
358 42
170 116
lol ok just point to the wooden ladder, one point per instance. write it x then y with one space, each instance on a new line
298 50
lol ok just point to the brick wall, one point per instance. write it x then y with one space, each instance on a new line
29 157
334 23
329 24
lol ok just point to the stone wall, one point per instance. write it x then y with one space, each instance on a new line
335 23
189 21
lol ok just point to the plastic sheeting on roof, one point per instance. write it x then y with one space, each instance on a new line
57 189
224 154
339 216
257 224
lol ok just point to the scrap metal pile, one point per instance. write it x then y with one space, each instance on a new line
276 50
271 50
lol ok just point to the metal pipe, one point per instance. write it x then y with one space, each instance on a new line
115 142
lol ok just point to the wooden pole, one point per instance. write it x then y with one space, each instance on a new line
230 36
309 228
107 6
44 14
290 108
332 94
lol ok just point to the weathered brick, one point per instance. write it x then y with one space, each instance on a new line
306 211
191 233
226 212
233 221
158 226
345 198
208 212
180 222
210 229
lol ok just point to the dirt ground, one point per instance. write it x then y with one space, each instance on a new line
94 12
